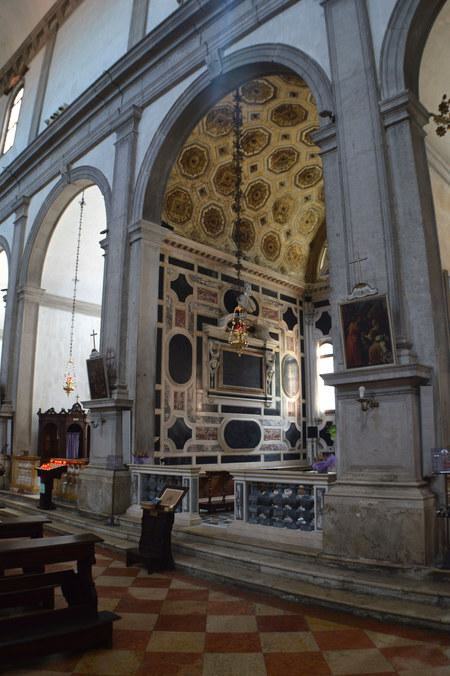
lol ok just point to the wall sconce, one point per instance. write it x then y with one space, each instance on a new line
365 402
96 423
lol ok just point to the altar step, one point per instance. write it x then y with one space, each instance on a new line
421 598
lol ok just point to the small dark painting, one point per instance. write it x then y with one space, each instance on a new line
98 381
367 333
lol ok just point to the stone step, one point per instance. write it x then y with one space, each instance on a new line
419 589
376 606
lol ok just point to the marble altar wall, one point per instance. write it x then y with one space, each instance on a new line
197 424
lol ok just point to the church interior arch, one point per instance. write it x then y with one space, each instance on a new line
433 83
56 299
200 419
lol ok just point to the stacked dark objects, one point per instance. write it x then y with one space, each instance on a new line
282 506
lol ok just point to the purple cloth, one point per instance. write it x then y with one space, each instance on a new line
326 465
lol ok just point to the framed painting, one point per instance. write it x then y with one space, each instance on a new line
367 332
97 376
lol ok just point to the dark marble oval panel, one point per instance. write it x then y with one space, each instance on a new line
242 434
180 359
290 376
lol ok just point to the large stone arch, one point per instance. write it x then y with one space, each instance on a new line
49 213
403 45
194 103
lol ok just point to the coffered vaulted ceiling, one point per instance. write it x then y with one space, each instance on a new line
283 202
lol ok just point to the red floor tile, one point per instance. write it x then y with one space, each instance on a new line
160 582
415 657
127 604
232 643
129 639
296 664
282 623
181 623
187 594
346 639
171 664
230 608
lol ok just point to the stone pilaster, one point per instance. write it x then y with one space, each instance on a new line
28 301
145 243
9 350
105 484
380 507
115 295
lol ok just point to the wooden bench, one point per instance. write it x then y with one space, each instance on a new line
43 629
12 526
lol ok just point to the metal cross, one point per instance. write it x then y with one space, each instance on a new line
93 334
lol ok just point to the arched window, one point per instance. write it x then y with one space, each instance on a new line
12 118
325 364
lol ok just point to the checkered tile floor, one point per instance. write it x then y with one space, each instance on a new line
176 625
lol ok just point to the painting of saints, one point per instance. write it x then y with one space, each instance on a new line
367 332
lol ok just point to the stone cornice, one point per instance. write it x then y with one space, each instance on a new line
253 272
17 65
403 107
157 63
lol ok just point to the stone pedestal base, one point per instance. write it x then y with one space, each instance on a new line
104 491
384 522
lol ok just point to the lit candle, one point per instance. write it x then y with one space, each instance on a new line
362 391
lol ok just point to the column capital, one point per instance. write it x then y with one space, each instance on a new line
20 207
325 138
33 294
403 106
147 231
127 123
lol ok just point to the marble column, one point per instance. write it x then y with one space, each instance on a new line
380 508
28 301
145 243
9 349
105 484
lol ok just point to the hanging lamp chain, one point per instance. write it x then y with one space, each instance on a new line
238 156
75 279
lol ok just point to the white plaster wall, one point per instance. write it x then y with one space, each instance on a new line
158 11
434 77
101 157
155 113
379 14
51 359
441 197
26 110
7 229
58 272
36 202
87 44
301 26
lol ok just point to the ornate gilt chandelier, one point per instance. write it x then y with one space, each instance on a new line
69 375
442 119
238 337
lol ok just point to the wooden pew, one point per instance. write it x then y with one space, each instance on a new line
12 526
45 629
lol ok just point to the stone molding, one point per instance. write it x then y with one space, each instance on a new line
415 373
40 35
151 233
63 303
401 107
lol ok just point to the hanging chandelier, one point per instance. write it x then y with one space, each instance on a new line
69 375
442 119
238 337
